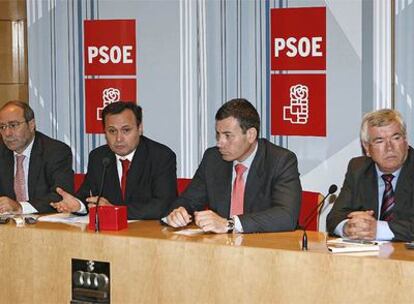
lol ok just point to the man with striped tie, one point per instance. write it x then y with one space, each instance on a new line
377 197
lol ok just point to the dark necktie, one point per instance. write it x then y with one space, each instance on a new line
125 167
388 199
237 198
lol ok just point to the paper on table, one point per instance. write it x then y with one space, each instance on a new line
68 218
192 231
64 218
345 246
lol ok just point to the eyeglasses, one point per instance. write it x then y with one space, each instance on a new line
12 125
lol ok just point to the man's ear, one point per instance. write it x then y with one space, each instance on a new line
366 148
251 135
32 125
141 129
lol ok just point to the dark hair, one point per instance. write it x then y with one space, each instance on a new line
119 107
243 111
27 110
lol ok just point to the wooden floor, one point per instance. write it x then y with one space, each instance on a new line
152 264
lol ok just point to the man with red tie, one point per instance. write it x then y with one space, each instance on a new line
377 197
140 173
247 184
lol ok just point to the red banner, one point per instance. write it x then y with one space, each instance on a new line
298 104
101 92
298 38
109 47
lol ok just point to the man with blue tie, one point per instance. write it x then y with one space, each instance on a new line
377 197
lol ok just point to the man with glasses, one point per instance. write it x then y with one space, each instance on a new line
32 164
377 198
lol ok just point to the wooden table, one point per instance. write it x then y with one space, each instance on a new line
151 264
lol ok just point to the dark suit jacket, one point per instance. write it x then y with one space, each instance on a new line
50 166
360 192
151 181
272 192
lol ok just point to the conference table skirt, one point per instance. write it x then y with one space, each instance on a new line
151 263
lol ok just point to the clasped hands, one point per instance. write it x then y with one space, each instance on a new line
207 220
70 203
361 225
8 205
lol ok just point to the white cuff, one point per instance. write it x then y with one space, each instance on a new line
238 228
27 208
82 209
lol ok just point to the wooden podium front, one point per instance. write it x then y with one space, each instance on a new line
151 264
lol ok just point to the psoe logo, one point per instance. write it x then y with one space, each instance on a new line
109 95
297 112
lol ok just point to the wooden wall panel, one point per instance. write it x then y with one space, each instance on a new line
12 9
13 91
13 51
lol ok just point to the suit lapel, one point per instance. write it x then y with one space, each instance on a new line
254 178
137 168
222 182
112 184
370 198
35 165
405 182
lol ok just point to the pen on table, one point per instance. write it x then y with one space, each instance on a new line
90 193
360 242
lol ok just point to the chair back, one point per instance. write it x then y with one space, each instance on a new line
78 180
309 202
182 184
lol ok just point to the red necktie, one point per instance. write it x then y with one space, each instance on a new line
388 199
125 168
237 197
19 180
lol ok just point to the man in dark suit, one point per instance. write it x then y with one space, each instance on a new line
32 164
141 173
247 184
377 197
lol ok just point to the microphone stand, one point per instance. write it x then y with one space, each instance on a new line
332 190
105 163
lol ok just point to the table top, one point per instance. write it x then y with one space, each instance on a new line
276 241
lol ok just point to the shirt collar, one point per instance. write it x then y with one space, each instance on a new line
395 173
248 161
129 156
26 151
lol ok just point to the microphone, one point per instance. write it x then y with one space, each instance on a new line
332 190
105 163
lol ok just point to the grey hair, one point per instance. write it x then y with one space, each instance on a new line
380 118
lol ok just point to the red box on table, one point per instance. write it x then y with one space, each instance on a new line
110 217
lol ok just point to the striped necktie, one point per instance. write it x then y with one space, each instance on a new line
388 199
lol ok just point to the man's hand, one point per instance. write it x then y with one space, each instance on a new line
361 225
9 205
210 221
102 201
68 204
179 218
